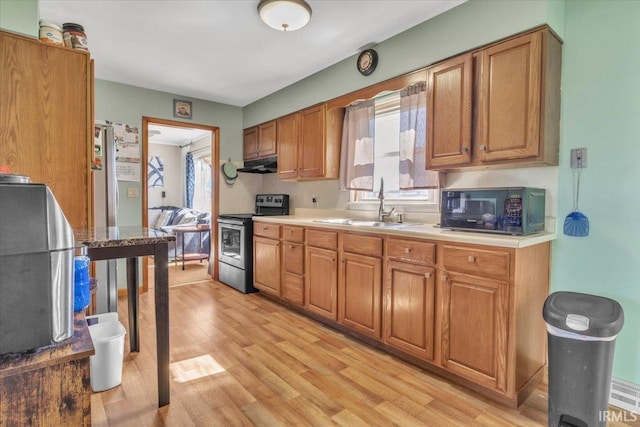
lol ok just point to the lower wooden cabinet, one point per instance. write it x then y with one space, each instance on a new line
409 310
321 282
474 328
360 293
266 265
293 272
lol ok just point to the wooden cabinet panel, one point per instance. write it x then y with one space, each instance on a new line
321 282
322 238
266 265
474 328
293 234
359 293
479 262
293 257
266 230
287 137
409 308
311 150
417 251
293 288
250 143
449 112
267 139
364 245
510 100
45 123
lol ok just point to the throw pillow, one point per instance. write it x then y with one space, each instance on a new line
188 219
163 219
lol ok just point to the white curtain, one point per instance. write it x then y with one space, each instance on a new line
358 135
413 139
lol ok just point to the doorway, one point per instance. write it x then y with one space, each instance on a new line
166 185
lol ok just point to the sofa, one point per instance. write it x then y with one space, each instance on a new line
165 218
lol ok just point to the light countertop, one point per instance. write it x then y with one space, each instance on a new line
424 231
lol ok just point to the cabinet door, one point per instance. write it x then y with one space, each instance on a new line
409 308
45 126
449 112
510 99
266 265
293 257
321 282
359 293
250 143
474 328
287 135
267 139
293 288
311 149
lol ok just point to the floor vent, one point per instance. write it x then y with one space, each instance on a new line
625 395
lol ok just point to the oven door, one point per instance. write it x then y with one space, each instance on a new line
231 247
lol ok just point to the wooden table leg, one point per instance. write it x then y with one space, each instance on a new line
133 294
162 320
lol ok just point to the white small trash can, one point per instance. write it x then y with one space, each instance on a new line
107 334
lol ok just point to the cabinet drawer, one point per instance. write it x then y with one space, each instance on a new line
293 234
411 250
293 288
478 262
364 245
267 230
322 239
293 257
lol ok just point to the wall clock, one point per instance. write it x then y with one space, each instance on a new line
367 61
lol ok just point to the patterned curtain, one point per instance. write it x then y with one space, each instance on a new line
357 159
191 180
413 139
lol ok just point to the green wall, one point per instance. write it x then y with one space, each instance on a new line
20 16
601 111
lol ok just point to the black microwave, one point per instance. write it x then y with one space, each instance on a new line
505 210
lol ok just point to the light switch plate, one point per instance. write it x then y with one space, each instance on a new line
578 158
132 192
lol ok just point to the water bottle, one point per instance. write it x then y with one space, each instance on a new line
82 293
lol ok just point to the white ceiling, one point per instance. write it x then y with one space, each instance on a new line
219 50
171 135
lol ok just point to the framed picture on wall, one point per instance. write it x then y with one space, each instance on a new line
181 109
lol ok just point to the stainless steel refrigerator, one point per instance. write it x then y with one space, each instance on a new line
105 191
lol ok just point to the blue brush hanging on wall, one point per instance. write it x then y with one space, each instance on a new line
576 224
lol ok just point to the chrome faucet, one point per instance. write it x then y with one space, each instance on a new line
382 214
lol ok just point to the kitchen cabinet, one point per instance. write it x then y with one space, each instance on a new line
409 297
266 258
321 273
293 264
360 283
45 119
259 141
449 98
498 106
308 145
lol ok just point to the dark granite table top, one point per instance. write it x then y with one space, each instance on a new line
103 237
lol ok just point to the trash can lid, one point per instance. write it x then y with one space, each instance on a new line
586 314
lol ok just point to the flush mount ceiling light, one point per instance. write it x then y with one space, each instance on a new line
285 15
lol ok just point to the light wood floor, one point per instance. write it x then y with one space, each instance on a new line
244 360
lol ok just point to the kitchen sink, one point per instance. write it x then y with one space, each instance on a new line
364 223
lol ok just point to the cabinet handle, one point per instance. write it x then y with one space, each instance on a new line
471 258
407 250
444 278
290 246
465 149
483 148
265 228
427 275
344 260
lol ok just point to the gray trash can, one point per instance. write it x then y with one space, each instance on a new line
582 330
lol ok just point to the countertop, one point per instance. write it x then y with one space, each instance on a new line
102 237
421 231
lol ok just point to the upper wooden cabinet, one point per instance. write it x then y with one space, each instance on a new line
260 141
308 145
45 119
449 112
515 105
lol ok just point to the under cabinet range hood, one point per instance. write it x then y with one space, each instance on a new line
264 165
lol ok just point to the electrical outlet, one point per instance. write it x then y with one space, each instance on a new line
578 158
132 192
